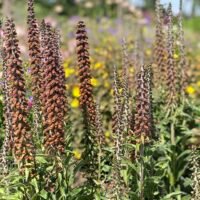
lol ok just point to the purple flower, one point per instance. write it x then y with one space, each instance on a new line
112 31
70 34
74 18
147 18
30 102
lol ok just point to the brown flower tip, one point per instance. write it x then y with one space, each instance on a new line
31 13
23 147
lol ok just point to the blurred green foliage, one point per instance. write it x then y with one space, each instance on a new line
71 7
193 24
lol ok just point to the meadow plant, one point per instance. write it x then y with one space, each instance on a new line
35 64
160 50
143 111
182 61
23 148
7 144
34 52
53 95
125 88
171 71
91 138
117 130
196 174
143 119
86 98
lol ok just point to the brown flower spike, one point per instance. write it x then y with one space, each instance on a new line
53 94
91 138
143 115
183 64
23 147
171 72
86 98
34 51
160 44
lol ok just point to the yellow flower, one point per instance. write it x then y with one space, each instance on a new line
105 75
67 86
66 64
76 91
198 83
148 52
144 29
75 103
77 154
131 69
69 72
120 90
111 91
98 65
190 90
1 97
107 134
176 56
106 84
94 82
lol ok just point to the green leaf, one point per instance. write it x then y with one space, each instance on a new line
173 194
44 194
35 185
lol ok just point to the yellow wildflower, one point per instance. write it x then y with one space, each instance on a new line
190 90
148 52
75 103
120 90
176 56
105 75
69 72
77 154
98 65
131 70
66 65
94 82
144 29
76 91
107 134
198 83
106 84
111 91
67 86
